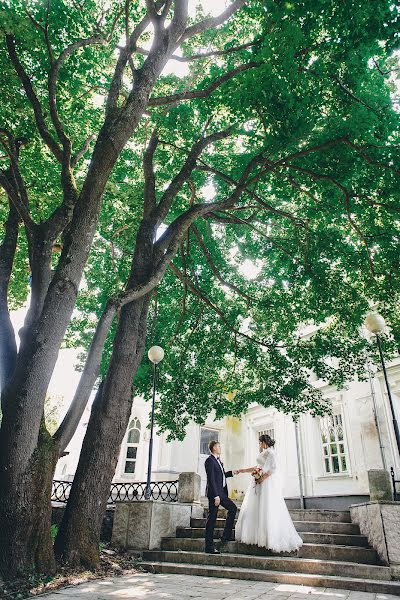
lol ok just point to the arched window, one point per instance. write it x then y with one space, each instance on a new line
132 444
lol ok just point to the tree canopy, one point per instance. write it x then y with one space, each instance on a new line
315 101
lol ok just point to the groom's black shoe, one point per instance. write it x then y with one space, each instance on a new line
212 551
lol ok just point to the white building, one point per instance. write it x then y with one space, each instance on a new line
335 452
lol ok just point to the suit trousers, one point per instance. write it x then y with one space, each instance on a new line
212 517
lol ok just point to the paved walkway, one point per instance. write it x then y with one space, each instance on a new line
145 586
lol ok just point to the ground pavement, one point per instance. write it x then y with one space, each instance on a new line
147 586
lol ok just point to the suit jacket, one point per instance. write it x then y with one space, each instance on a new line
215 478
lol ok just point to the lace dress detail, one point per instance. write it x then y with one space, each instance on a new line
264 519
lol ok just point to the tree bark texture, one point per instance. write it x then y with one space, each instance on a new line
79 534
25 514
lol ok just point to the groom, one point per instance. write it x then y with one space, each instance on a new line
217 494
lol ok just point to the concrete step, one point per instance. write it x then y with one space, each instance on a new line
321 516
308 579
310 514
309 526
271 563
316 551
338 539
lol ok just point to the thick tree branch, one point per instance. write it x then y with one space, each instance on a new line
53 77
179 20
92 366
123 59
19 205
12 182
62 215
180 225
202 93
158 19
190 163
87 380
8 346
33 99
212 53
149 175
212 22
151 11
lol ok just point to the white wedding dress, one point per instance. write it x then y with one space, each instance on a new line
264 518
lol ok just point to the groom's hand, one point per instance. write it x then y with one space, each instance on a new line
217 500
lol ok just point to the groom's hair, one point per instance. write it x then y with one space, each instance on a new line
212 444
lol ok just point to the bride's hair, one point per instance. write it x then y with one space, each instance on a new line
266 439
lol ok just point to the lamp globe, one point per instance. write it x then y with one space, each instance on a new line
374 322
155 354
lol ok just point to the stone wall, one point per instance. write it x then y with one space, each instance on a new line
142 525
380 522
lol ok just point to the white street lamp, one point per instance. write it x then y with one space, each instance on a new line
375 323
155 354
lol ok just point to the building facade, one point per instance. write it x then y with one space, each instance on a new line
329 462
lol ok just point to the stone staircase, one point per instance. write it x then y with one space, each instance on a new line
334 555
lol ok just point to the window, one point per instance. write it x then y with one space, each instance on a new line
333 443
132 444
267 431
207 436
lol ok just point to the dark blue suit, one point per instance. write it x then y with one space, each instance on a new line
215 487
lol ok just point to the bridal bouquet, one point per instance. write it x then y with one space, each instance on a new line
257 473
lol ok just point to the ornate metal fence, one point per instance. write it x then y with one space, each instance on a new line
124 492
396 486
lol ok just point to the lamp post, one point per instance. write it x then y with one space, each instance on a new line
299 462
155 354
375 323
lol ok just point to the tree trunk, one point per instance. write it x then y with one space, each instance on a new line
8 346
79 535
25 514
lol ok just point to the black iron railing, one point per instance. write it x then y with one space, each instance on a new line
124 492
396 486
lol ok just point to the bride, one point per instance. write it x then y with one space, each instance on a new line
264 518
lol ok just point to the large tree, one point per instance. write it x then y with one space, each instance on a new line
287 110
